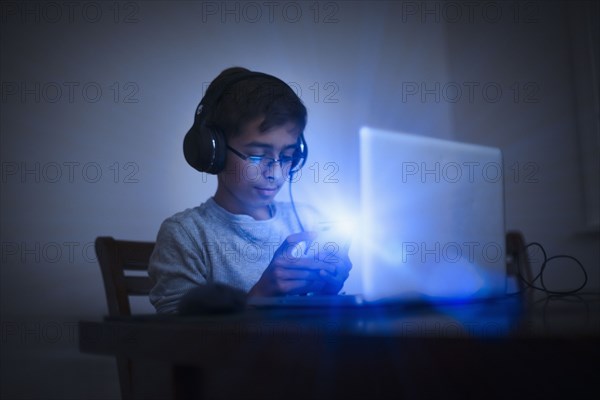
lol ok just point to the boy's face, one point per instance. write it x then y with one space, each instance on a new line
248 188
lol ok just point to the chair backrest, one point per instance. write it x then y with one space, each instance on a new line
518 263
116 258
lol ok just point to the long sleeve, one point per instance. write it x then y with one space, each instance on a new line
176 266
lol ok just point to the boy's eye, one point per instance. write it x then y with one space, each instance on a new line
284 160
255 159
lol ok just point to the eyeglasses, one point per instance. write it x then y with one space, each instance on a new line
290 163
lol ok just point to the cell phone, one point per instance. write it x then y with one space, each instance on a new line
333 240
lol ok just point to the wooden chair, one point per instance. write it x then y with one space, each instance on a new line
518 261
116 257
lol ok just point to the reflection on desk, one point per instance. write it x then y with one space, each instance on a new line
493 349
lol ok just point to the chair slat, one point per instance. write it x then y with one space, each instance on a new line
129 265
135 253
138 285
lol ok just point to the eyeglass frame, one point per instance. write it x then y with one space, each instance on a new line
257 160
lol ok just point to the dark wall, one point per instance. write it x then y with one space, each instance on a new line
96 98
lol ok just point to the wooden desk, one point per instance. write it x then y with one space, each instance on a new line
502 349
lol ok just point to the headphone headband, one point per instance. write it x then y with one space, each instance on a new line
204 147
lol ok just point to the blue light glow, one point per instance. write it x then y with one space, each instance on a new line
424 237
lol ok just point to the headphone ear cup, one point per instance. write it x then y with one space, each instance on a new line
300 153
205 149
220 152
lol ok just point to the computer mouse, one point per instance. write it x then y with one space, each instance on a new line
212 298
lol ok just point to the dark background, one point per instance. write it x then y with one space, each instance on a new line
97 96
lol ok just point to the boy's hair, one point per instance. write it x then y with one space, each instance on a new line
250 98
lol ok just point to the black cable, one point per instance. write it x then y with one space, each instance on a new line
543 267
294 206
585 276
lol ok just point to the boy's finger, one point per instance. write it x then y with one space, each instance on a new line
294 240
311 264
295 274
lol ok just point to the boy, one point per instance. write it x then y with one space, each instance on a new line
248 130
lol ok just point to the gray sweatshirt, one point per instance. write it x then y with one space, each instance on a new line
208 244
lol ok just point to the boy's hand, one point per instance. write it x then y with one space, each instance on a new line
335 281
290 273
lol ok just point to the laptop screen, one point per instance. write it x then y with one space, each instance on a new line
432 218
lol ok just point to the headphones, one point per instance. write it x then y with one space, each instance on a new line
205 148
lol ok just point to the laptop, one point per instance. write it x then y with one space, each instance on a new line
432 223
